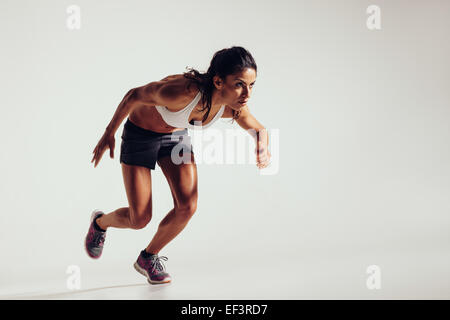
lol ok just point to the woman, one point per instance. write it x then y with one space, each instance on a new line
159 115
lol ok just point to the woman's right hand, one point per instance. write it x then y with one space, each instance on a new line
106 142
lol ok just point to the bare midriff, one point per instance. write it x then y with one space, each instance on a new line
149 118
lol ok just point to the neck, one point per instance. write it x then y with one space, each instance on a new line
216 100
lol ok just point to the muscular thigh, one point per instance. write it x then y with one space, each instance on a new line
137 180
182 179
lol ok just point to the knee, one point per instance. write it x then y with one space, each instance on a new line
140 220
187 208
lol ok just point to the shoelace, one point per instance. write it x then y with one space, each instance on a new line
99 238
158 264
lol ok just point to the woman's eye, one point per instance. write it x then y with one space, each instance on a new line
251 86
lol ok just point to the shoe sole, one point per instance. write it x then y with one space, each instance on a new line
93 215
145 274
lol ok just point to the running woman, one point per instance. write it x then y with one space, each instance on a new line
159 115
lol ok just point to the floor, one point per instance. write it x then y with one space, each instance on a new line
403 276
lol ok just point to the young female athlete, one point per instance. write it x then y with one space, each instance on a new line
159 115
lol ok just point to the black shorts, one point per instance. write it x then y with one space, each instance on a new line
142 147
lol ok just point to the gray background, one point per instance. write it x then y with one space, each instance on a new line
364 160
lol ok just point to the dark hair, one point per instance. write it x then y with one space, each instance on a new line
224 62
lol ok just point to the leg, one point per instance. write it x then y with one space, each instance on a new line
137 182
183 185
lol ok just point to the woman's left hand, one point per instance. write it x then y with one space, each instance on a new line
262 155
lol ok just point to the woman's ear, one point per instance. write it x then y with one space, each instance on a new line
218 82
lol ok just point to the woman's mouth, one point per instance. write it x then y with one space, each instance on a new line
243 102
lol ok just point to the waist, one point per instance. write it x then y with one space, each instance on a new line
133 127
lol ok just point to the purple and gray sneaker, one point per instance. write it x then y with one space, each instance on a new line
95 239
152 268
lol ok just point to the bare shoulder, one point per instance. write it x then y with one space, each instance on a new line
178 88
172 92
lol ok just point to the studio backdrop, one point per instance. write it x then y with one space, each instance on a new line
355 97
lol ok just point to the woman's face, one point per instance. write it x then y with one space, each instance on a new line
237 88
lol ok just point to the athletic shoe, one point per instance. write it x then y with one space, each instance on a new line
94 239
152 268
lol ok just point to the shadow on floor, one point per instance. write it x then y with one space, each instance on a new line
68 294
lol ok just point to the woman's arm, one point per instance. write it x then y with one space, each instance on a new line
128 103
163 93
249 123
155 93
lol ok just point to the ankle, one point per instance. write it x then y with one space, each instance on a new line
98 222
148 253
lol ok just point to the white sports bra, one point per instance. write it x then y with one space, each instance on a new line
180 119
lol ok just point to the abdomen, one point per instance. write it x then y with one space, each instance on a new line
149 118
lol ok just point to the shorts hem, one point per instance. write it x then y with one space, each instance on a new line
138 164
